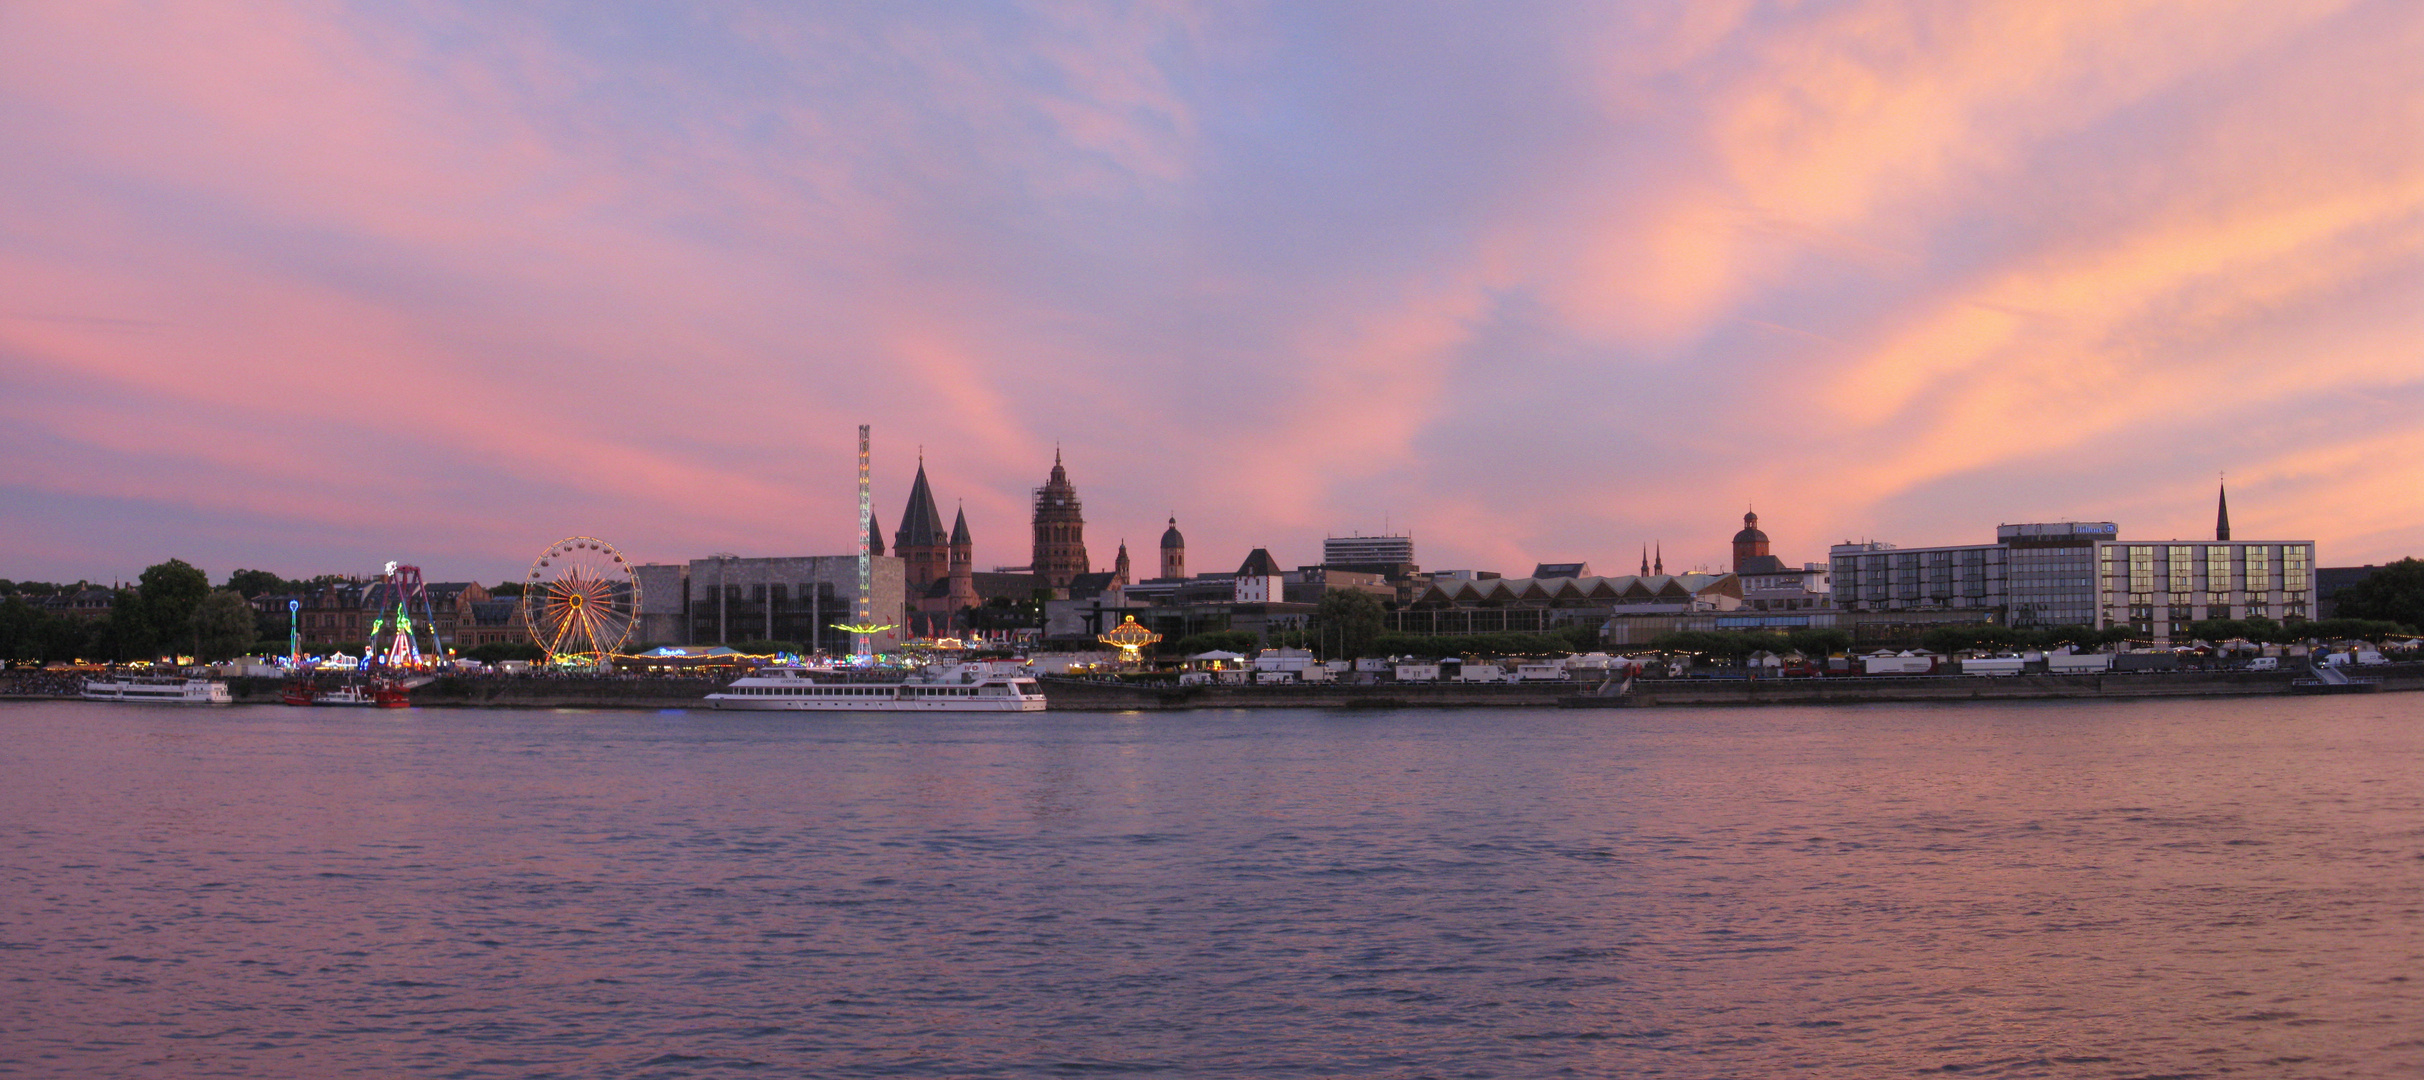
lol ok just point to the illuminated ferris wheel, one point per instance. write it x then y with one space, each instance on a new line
580 601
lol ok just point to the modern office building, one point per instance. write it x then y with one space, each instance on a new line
1873 575
2155 588
1367 551
2081 573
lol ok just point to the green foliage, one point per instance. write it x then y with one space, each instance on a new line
497 651
1346 623
1236 641
252 583
1819 641
30 633
170 592
2338 629
127 633
1729 645
1952 639
507 589
1555 643
223 626
2394 593
2259 629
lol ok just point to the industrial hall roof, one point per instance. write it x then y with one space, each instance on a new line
1626 589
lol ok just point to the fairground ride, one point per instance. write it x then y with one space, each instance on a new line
395 639
581 601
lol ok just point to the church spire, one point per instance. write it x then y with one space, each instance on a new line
1645 560
2222 512
1659 567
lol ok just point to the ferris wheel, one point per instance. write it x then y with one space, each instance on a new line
580 601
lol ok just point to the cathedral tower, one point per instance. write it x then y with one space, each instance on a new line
920 542
1749 544
1174 552
1060 530
963 566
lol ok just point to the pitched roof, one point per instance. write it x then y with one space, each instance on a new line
1259 564
921 523
959 530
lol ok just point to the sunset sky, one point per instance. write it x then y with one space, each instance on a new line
309 287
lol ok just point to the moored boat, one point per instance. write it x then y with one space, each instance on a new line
943 688
376 693
158 690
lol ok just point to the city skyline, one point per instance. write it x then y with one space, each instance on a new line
308 290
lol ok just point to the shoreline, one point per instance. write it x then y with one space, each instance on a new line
1085 695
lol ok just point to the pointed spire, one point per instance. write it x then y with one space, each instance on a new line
921 523
1645 560
875 535
1660 565
959 530
2222 512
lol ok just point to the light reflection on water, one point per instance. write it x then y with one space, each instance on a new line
2196 888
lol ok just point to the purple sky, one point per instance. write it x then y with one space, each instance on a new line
310 287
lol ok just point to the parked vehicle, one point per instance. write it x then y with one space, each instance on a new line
2078 663
2264 663
1898 665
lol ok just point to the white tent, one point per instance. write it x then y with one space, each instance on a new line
1221 655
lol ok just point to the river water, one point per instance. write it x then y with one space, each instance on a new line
2193 888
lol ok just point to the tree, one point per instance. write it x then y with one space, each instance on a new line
1819 642
510 588
127 633
2394 593
168 594
252 583
223 626
1236 641
1347 621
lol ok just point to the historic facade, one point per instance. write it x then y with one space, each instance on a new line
1060 530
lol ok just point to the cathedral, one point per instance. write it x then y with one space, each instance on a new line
1060 531
938 568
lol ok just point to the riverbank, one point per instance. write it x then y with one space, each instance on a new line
1090 695
1082 695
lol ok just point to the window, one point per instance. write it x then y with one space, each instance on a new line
2259 569
2217 568
2142 569
2183 566
2293 568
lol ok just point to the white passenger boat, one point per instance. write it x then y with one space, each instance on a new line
943 688
158 690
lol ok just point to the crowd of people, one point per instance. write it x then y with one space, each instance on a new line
42 683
